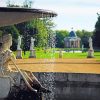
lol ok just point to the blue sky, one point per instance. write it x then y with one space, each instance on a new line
79 14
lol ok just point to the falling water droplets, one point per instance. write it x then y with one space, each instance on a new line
48 78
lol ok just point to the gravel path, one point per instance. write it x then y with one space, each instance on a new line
60 65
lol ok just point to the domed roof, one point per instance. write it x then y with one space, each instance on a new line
72 34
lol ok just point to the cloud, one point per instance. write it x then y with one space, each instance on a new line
80 14
2 3
72 10
66 3
85 3
71 13
78 10
69 6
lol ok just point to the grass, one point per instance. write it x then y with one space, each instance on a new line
50 54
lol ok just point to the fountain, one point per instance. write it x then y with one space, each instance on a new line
16 84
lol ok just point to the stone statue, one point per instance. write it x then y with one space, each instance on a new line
19 43
32 43
90 43
82 47
90 51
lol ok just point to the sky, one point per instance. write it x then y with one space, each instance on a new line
79 14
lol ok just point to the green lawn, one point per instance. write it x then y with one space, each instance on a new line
41 54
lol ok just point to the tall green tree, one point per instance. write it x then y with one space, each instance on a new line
79 33
27 3
14 32
30 29
97 33
60 35
85 38
51 36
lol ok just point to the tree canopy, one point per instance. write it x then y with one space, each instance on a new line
40 29
97 33
60 35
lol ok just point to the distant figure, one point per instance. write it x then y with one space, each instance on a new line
19 43
32 43
90 43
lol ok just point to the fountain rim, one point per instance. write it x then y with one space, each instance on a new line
28 10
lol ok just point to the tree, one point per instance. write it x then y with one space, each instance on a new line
14 32
27 3
51 36
42 35
1 33
10 4
60 35
97 33
79 33
37 28
30 29
84 35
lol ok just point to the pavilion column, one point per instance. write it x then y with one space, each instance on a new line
74 44
67 44
70 44
78 43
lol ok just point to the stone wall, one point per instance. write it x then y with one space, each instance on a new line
70 86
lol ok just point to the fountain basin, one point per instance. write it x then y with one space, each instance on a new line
10 16
71 86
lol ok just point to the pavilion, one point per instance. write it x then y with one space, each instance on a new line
72 41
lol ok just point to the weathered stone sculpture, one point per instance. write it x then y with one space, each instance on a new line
19 50
32 50
32 43
19 43
5 56
90 51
